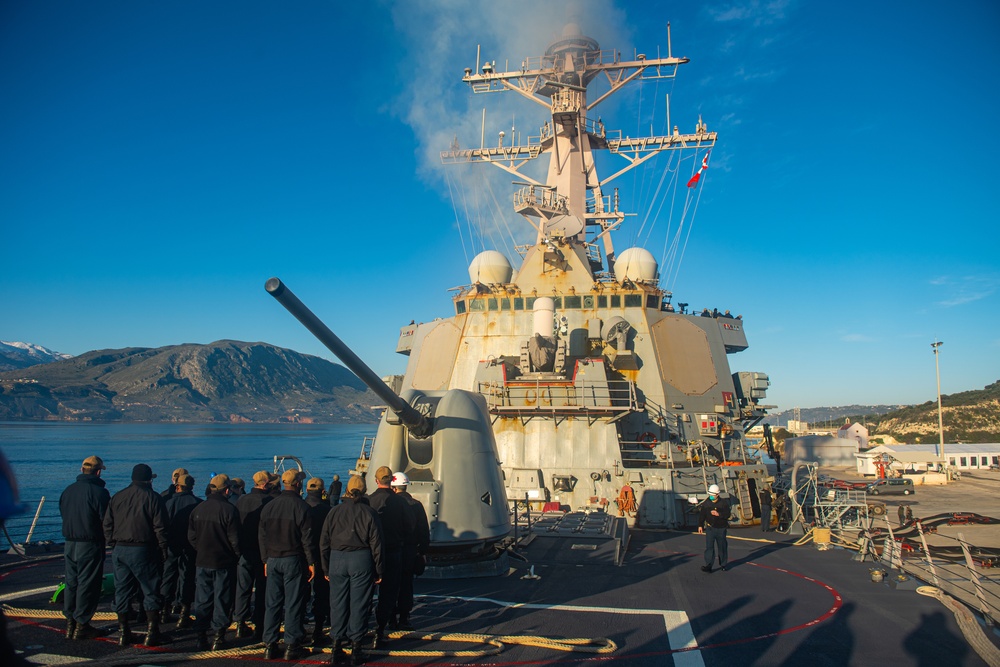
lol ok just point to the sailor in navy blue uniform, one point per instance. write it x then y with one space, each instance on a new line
352 558
214 532
286 548
135 527
713 521
250 580
82 506
396 525
319 507
178 569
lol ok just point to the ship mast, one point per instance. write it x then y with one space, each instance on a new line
572 202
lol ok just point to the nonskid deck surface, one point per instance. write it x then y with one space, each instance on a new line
777 604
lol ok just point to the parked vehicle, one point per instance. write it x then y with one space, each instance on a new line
902 486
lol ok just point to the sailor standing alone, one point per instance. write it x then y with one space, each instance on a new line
713 521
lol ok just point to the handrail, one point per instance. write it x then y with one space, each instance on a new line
613 396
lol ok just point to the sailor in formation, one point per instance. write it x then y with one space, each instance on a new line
177 588
286 548
352 558
228 550
251 586
237 489
214 531
135 527
82 506
172 489
417 541
396 527
319 507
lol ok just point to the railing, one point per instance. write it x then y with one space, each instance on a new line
961 580
538 196
532 396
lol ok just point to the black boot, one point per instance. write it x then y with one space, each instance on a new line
201 641
70 628
404 623
220 640
357 655
379 640
319 638
271 651
165 615
86 631
243 630
152 628
296 652
185 620
125 636
339 655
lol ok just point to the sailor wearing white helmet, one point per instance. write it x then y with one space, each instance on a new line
713 521
417 541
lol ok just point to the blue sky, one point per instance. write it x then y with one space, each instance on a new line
159 161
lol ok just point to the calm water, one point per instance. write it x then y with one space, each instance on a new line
46 456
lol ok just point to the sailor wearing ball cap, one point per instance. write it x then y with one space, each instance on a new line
713 521
286 547
214 532
396 526
352 558
319 507
82 506
178 569
172 489
250 580
135 527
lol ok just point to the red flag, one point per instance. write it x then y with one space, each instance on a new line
704 165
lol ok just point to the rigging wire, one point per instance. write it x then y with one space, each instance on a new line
458 222
509 243
648 174
686 238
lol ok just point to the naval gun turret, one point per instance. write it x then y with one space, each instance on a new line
444 443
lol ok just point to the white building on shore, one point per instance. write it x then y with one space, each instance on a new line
980 456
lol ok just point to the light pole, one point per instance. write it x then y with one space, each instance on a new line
937 369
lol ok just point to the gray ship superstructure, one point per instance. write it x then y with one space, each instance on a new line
602 395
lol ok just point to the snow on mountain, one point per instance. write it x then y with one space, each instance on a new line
15 355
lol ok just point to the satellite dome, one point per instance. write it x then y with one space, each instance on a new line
637 265
490 267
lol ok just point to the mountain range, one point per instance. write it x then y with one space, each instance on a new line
233 381
22 355
229 381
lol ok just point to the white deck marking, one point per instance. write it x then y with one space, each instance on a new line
680 635
52 659
679 632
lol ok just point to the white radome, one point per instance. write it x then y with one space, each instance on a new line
637 265
490 268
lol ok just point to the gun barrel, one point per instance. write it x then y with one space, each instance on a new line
413 420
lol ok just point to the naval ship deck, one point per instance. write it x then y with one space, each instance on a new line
777 604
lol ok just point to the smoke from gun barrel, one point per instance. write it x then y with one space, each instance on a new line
412 419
